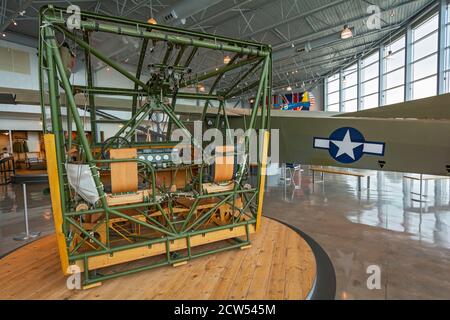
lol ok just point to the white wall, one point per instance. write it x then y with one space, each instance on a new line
30 81
318 94
27 117
33 142
20 124
18 80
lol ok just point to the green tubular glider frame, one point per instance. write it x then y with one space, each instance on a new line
175 231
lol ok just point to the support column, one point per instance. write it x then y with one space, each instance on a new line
358 83
54 106
80 128
381 84
341 91
138 76
90 83
10 141
441 47
408 64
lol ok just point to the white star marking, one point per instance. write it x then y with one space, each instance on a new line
346 146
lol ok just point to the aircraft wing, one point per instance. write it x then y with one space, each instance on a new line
408 137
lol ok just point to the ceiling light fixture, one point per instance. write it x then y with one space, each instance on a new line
346 33
226 59
289 88
15 22
152 21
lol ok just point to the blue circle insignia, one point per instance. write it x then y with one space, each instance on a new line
346 145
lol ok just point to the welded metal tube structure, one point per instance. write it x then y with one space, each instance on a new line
178 211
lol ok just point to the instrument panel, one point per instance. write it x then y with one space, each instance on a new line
160 158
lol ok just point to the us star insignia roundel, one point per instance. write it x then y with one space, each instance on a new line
348 145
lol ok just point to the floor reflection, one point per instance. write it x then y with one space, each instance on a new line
386 225
12 213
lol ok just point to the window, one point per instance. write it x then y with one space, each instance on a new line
425 88
424 64
395 78
369 81
369 102
426 28
425 46
447 53
351 105
448 13
369 87
387 69
394 60
350 88
424 68
333 98
394 71
395 95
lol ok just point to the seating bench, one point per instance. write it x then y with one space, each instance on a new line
358 175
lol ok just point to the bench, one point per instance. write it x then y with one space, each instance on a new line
358 175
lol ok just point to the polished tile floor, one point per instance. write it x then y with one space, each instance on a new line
385 229
12 213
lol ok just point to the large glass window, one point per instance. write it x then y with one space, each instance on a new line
370 75
395 95
333 97
394 71
447 53
424 64
350 88
420 75
425 88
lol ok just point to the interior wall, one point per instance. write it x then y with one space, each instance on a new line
4 142
28 80
318 94
33 142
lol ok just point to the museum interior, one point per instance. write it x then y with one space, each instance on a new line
225 150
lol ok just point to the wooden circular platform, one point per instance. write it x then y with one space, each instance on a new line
279 265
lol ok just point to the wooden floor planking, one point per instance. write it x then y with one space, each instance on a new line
279 265
276 285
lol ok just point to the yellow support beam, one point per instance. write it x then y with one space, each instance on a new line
52 170
262 182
